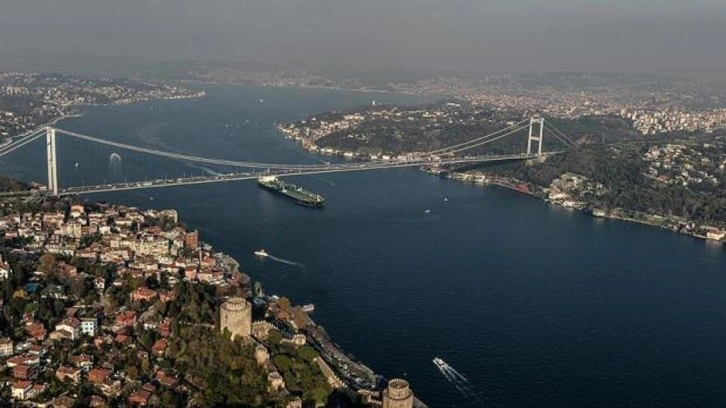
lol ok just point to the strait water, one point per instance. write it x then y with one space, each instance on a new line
535 305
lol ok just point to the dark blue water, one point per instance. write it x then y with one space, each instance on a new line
537 306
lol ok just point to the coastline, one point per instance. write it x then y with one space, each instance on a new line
51 122
54 121
609 214
304 87
333 355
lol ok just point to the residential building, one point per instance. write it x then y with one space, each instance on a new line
71 373
98 375
6 347
5 270
70 325
21 390
25 372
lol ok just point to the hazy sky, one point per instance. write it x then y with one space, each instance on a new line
655 36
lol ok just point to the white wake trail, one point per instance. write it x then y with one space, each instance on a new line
459 381
455 383
285 261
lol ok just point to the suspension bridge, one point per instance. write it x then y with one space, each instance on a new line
535 128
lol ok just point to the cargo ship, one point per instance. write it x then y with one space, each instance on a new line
292 192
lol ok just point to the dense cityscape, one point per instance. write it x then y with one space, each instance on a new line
28 101
102 305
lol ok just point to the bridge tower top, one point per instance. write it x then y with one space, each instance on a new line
538 137
52 161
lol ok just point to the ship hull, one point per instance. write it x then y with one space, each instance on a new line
303 201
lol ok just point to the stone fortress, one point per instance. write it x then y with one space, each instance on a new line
398 394
235 315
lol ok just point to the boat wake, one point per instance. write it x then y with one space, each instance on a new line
285 261
456 379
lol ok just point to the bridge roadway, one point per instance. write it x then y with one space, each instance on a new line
333 168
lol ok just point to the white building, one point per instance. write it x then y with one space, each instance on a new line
5 270
71 325
21 390
89 326
6 347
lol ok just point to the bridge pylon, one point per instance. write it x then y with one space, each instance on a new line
539 138
52 161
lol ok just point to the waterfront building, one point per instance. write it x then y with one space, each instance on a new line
235 315
398 394
191 239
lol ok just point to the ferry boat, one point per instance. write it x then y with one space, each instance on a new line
308 308
262 253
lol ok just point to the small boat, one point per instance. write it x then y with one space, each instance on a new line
427 211
262 253
308 308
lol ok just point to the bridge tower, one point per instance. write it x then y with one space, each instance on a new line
533 138
51 161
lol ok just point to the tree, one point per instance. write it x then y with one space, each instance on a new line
284 304
274 337
300 317
307 353
80 287
47 263
283 362
132 372
152 282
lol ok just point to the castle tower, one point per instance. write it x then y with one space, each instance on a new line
261 355
397 394
235 315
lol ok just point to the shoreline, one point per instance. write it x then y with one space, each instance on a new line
332 354
319 87
51 122
54 121
602 214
